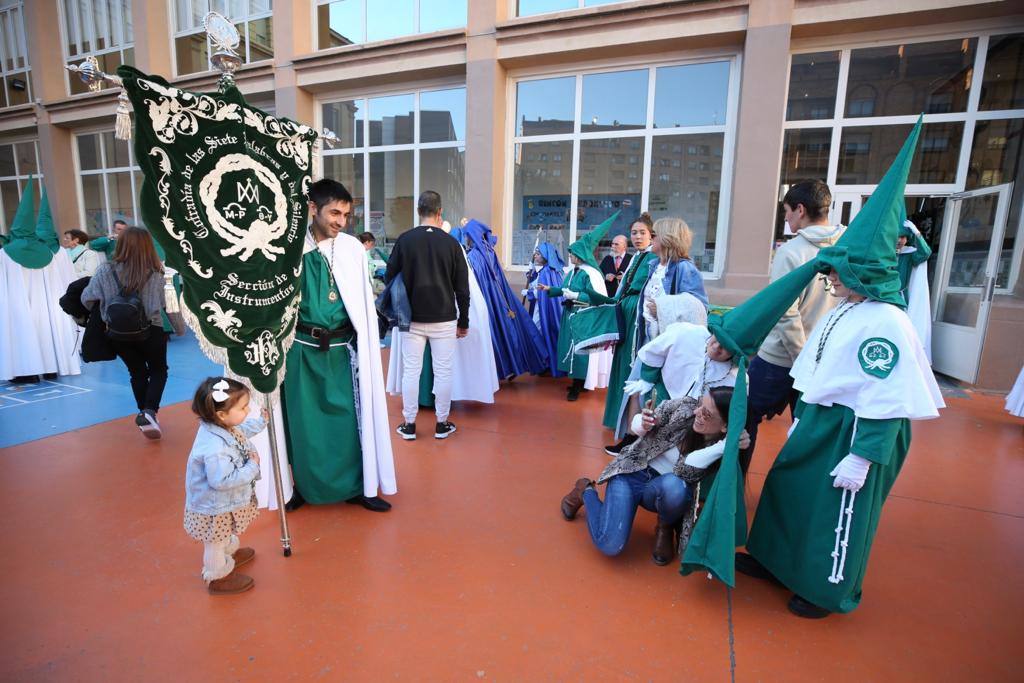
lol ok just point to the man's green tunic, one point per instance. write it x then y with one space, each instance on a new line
318 397
577 280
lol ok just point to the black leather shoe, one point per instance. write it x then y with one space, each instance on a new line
805 609
617 448
296 501
748 564
375 504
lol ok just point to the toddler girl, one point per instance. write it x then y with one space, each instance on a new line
220 500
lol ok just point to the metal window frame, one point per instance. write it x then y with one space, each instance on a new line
103 171
182 33
19 178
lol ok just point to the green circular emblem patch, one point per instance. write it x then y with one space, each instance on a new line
878 357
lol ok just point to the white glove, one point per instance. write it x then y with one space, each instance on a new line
637 386
570 295
637 425
707 456
850 473
796 421
525 292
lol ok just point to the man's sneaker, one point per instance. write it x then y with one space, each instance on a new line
147 424
444 430
617 448
407 430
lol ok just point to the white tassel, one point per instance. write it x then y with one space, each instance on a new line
123 121
843 543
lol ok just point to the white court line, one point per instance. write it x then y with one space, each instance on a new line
22 401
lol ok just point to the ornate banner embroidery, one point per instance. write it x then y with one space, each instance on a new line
224 193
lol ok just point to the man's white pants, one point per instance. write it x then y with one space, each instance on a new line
442 352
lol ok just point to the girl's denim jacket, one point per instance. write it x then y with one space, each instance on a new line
218 477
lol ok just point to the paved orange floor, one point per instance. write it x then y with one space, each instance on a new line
475 576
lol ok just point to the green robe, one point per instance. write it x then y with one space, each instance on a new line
574 365
318 397
628 299
794 529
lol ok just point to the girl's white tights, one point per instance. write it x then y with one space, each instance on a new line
217 561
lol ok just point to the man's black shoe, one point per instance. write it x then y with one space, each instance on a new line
444 429
407 430
805 609
25 379
295 503
617 448
573 395
748 564
376 504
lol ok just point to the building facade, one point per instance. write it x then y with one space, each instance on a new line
544 117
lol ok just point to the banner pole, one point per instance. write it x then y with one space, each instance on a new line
286 541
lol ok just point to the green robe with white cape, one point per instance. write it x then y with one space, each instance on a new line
872 378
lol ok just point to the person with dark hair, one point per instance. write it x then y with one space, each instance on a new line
376 261
679 442
84 260
130 293
107 244
806 206
433 269
220 501
339 442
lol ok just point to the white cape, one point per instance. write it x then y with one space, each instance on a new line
266 494
1015 399
474 373
352 274
36 335
681 352
908 391
919 305
599 364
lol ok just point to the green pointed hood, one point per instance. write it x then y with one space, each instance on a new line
584 247
25 249
45 232
865 256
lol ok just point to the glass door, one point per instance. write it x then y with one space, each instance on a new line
845 206
964 284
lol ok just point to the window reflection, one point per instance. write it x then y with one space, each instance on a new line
1003 85
867 151
545 107
443 115
392 206
339 23
443 171
391 120
389 19
614 101
541 197
813 79
347 169
346 120
691 95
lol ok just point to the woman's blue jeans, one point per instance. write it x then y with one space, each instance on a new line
611 522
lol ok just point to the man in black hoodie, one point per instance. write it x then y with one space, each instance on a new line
434 271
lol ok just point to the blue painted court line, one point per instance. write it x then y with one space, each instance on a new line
100 394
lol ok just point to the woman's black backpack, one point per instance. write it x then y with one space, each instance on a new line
126 316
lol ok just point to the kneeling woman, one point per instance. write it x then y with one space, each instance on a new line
679 441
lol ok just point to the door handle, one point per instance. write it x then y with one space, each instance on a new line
990 289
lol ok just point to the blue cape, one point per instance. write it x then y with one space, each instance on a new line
547 310
518 346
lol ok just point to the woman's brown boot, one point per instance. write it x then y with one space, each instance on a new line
573 500
664 543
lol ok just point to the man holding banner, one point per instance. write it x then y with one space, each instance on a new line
336 417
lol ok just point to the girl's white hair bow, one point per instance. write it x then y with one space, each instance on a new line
220 391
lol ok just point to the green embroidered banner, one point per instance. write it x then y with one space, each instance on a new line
224 193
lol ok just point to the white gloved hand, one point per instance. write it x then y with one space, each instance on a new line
570 295
850 473
637 425
789 433
707 456
525 292
637 386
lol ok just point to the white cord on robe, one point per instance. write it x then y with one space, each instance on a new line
839 551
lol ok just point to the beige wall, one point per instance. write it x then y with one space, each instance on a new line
496 47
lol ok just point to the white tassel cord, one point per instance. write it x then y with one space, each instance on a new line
842 539
123 120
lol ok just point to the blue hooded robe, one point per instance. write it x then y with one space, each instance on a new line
518 346
546 311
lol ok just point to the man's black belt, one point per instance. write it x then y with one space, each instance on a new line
324 336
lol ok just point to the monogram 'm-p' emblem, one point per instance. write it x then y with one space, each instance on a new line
248 192
878 357
262 352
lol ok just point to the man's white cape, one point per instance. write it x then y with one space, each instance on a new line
919 305
474 373
1015 399
908 391
352 274
36 335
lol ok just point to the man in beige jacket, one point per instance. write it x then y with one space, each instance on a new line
806 207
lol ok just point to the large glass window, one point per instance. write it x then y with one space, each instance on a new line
16 87
100 29
622 153
252 18
18 160
849 136
350 22
110 181
391 149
